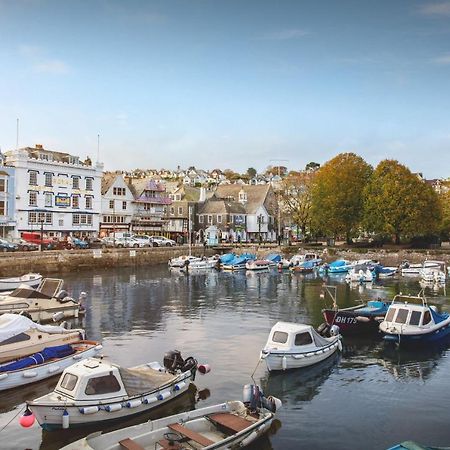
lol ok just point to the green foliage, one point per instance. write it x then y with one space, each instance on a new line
444 200
337 195
398 203
312 166
251 172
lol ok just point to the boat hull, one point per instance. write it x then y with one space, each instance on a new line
50 415
281 361
9 284
40 314
350 322
418 339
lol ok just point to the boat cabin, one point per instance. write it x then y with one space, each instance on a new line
91 379
410 314
286 336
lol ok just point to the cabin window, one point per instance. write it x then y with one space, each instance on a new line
390 314
426 318
402 315
303 339
102 385
69 381
280 337
17 338
415 318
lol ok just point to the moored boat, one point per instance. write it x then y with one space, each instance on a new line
338 266
98 391
414 269
359 276
182 261
29 279
202 264
20 336
229 425
409 323
436 274
47 363
257 264
304 267
292 346
238 262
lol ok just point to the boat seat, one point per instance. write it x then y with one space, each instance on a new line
231 422
129 444
191 434
167 445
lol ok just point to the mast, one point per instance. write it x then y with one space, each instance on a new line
189 229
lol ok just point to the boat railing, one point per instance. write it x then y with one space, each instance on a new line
407 298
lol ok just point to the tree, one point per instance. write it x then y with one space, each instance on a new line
398 203
312 166
231 175
295 197
337 195
444 199
251 172
275 170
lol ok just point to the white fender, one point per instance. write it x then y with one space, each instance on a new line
179 386
283 365
30 374
339 345
250 438
134 403
164 395
65 420
113 407
150 399
88 409
53 369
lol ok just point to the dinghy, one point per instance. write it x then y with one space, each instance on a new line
96 391
29 279
409 323
225 426
47 363
292 345
20 336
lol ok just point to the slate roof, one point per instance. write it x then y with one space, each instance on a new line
219 206
256 194
107 181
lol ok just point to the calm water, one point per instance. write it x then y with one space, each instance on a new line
368 397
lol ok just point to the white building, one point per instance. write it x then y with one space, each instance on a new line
55 191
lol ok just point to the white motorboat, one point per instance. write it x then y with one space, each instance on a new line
257 264
359 276
20 336
414 269
201 264
225 426
98 391
29 279
47 302
47 363
182 261
434 274
283 264
301 258
292 345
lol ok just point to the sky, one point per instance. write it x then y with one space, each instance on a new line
228 83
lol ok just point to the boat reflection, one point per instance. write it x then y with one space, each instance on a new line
299 385
57 439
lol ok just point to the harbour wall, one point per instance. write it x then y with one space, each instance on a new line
61 261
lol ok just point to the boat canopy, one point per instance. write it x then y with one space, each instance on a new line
227 258
13 324
274 257
143 379
293 335
338 263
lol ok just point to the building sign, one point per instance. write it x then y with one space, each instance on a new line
62 201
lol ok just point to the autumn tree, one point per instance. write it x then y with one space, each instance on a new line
444 199
251 172
295 198
337 195
398 203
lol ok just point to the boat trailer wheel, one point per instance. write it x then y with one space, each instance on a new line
173 437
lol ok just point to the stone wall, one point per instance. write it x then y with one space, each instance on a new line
60 261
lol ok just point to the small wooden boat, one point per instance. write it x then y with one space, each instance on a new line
357 319
292 346
257 264
97 391
20 336
45 303
229 425
29 279
49 362
409 323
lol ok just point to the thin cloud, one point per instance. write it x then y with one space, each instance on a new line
285 35
443 60
435 9
53 66
41 63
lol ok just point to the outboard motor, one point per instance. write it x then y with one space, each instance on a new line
61 295
173 361
334 330
253 398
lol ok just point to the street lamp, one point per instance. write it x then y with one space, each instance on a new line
260 219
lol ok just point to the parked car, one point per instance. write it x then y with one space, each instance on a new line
161 241
78 243
35 238
107 242
25 246
144 239
6 246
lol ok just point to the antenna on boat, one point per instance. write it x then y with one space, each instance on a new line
332 292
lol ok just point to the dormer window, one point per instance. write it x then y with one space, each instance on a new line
242 196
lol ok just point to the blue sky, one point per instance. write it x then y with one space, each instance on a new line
228 83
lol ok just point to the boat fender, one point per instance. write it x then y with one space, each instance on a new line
250 438
362 319
113 407
149 400
89 409
65 419
30 374
340 345
179 386
334 330
53 369
27 419
204 368
271 403
163 395
58 316
284 363
3 376
77 356
134 403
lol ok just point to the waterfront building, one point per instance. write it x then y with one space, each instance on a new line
7 199
150 198
117 204
55 192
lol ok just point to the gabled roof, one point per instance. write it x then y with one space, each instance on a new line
107 181
256 194
219 206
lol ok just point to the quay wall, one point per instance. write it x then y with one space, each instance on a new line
60 261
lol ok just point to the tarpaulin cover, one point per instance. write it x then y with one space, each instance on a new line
143 379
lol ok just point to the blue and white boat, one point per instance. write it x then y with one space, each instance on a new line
339 266
274 259
238 262
411 323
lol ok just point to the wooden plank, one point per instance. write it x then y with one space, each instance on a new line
129 444
167 445
231 422
191 434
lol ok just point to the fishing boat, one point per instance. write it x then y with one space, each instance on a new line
47 302
407 322
257 264
382 272
357 319
359 276
97 391
20 336
292 346
229 425
47 363
29 279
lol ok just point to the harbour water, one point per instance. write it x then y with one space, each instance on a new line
370 397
